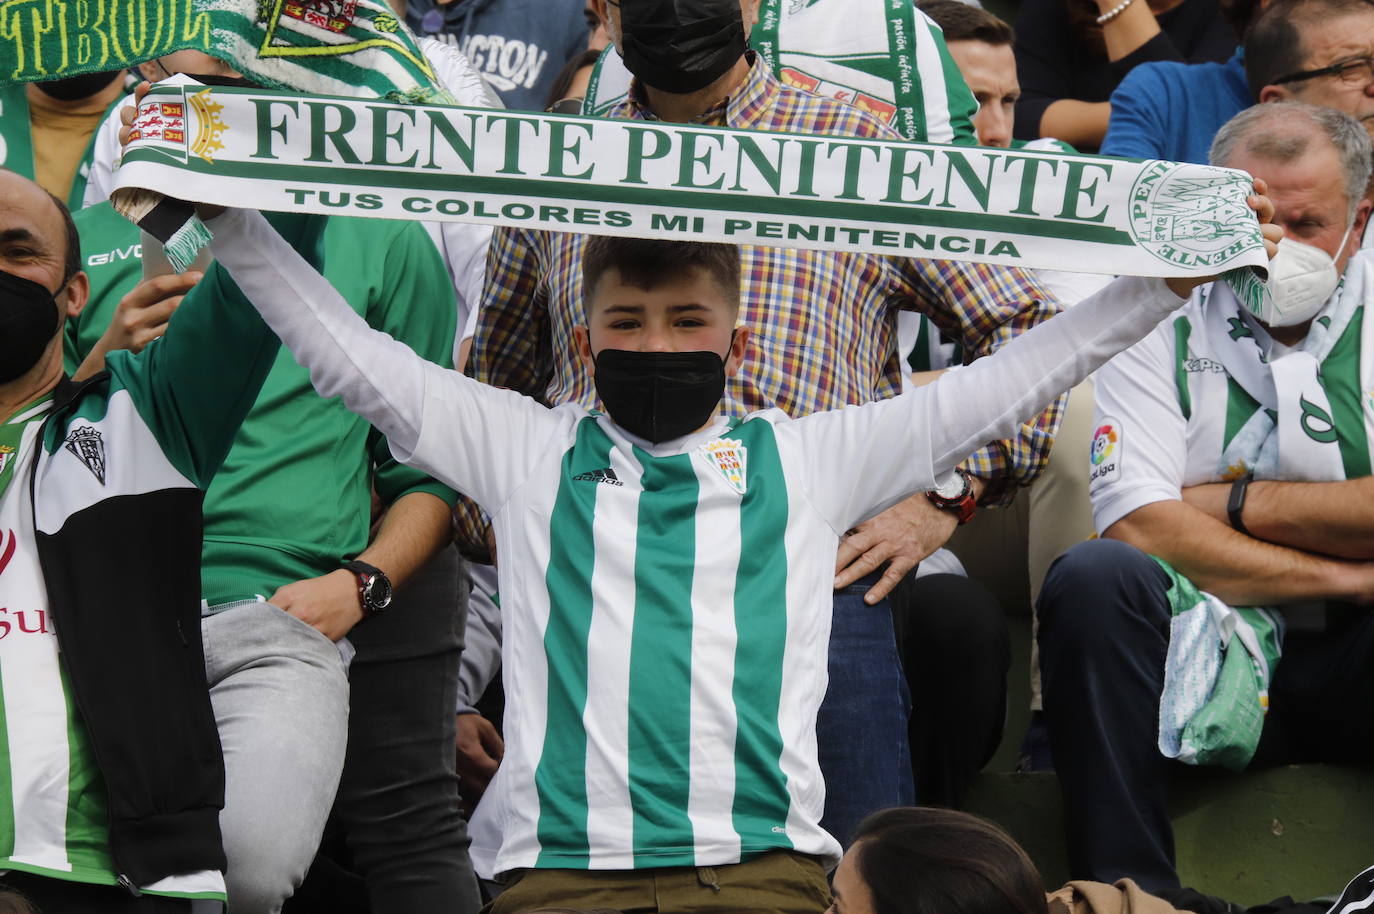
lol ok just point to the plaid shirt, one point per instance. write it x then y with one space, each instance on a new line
822 324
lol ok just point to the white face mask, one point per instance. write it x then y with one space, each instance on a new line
1301 280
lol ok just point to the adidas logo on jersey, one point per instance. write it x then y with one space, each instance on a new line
599 476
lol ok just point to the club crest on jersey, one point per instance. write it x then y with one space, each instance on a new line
729 457
6 457
85 442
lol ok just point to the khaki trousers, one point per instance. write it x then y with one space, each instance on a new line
778 881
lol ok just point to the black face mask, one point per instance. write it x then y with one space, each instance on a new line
681 46
659 396
28 322
75 87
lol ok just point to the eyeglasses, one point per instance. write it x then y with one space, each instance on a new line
570 105
1358 71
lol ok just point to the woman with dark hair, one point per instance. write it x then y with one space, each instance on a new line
922 860
570 85
1071 55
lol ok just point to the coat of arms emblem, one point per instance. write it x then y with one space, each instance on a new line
729 457
85 442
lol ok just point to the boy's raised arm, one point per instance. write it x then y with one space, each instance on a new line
890 450
862 460
477 439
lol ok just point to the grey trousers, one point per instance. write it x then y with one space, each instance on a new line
280 693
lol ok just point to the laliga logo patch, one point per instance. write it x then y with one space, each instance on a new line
1104 443
730 458
1105 453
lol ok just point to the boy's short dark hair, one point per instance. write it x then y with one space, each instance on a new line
645 263
961 22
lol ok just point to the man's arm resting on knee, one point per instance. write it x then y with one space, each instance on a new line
1331 518
1239 569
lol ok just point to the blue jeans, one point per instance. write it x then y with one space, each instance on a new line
862 726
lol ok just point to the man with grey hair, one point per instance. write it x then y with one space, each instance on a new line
1230 468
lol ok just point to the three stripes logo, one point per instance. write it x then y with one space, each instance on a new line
606 476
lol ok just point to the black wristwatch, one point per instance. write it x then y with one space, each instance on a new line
1235 502
374 587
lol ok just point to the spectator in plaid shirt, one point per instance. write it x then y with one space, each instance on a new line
822 329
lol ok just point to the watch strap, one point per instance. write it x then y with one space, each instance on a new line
358 566
1235 503
365 573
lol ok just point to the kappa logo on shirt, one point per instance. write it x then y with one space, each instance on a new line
606 476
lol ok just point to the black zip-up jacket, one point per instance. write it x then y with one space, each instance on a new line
117 487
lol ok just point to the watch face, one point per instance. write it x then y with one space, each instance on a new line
377 592
954 489
951 490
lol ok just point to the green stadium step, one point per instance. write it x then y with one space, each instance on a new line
1300 830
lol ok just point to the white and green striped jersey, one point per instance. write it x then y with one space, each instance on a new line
665 656
666 607
53 815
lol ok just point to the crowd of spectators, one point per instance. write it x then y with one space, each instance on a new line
318 717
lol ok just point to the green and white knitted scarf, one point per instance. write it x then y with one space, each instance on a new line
327 47
1304 415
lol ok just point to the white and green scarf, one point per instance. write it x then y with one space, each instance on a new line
1220 662
1305 415
279 152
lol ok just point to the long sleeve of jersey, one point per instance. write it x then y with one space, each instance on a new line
379 378
863 459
